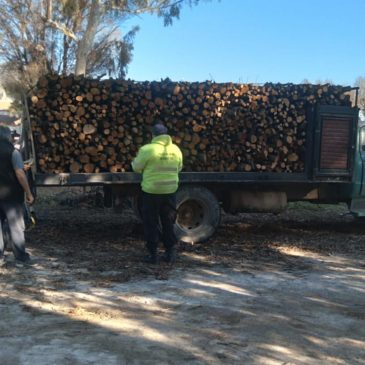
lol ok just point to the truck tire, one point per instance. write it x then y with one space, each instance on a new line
198 214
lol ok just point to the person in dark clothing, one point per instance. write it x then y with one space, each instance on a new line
13 186
159 162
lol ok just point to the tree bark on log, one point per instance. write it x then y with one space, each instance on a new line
84 125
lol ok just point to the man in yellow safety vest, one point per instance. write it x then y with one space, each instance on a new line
159 162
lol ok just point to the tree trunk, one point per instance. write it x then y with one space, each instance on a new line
66 46
49 8
84 45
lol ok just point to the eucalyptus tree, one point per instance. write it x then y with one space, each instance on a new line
84 37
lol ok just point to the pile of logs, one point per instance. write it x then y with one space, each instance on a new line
83 125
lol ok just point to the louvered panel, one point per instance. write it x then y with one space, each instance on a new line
336 133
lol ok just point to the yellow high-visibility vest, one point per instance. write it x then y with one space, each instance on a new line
159 162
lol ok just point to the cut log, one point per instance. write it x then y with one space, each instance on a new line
89 129
83 125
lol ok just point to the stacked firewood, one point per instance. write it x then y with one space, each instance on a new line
83 125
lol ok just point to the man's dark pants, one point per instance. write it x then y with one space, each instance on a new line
159 216
13 212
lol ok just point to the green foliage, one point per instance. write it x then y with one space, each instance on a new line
72 36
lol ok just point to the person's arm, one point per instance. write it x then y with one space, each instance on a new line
18 166
180 160
139 163
23 181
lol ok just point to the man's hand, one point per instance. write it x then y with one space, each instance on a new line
27 166
29 198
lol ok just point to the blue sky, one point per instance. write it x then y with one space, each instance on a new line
254 41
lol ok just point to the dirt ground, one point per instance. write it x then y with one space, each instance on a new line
267 289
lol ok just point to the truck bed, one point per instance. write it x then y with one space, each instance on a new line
83 179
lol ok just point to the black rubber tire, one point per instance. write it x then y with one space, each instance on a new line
198 214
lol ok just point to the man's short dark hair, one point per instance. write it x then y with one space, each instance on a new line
159 129
5 133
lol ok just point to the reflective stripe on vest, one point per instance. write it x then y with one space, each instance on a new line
165 169
166 182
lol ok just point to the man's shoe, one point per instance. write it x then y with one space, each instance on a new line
26 262
170 256
2 261
151 259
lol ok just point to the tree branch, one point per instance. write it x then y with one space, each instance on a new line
150 8
67 32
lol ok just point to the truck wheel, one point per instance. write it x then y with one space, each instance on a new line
198 214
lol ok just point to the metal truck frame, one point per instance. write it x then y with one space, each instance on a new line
202 194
